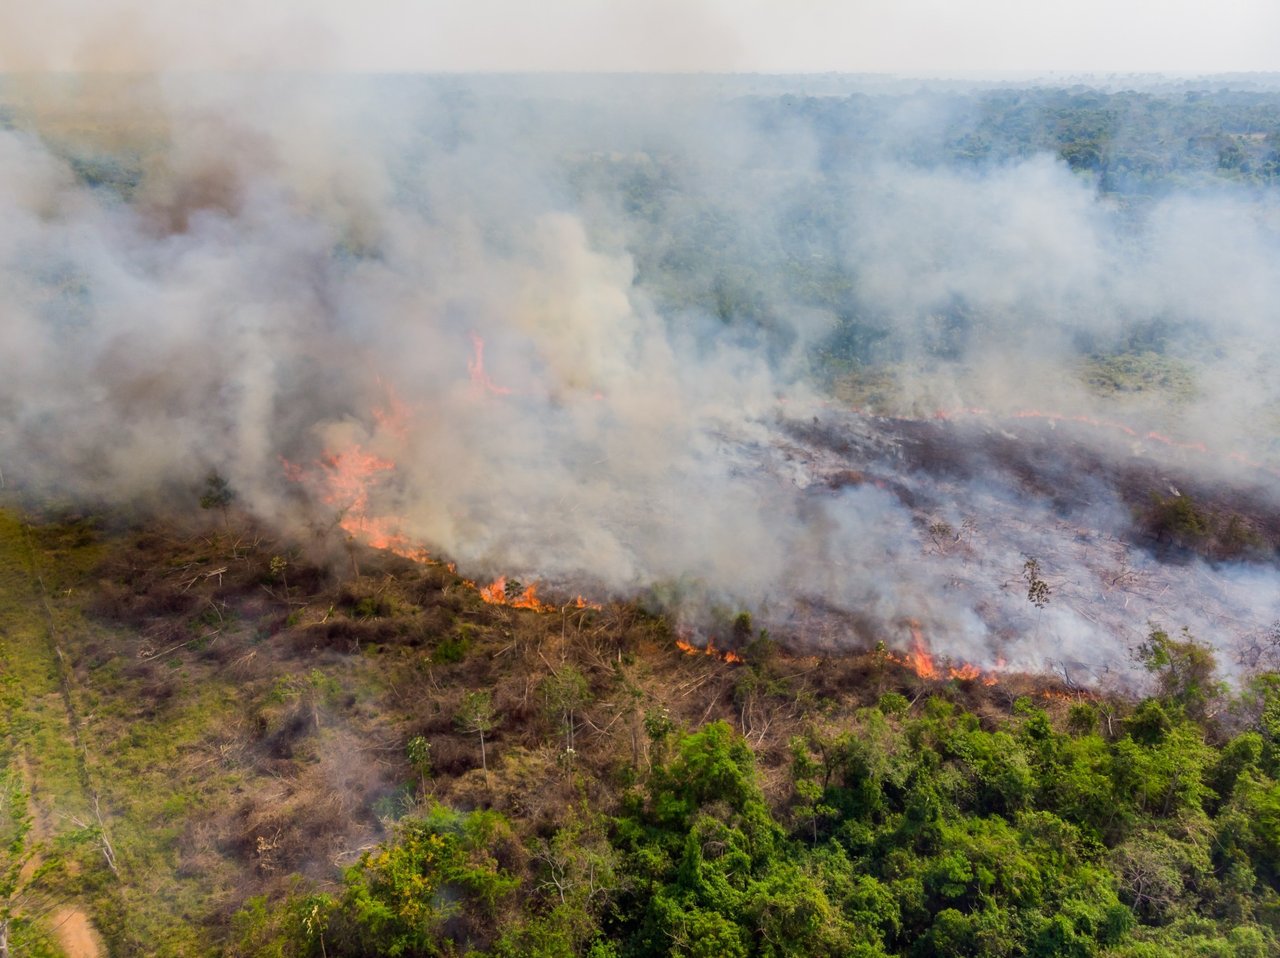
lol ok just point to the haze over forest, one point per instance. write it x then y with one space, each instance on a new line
575 321
638 514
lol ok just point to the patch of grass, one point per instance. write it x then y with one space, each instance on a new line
451 649
1129 373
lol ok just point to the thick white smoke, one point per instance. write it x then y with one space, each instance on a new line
239 274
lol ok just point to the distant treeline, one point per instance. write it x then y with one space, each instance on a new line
1135 142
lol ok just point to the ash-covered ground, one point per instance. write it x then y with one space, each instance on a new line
1128 533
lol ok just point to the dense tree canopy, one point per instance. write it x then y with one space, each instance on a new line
913 831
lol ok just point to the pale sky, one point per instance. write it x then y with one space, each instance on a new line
787 36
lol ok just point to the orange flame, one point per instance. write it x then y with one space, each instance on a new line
1063 695
711 650
495 593
480 381
921 661
344 480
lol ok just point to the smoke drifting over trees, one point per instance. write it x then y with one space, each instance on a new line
585 320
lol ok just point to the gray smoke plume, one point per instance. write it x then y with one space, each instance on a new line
607 334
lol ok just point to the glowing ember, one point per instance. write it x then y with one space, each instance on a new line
1062 695
480 381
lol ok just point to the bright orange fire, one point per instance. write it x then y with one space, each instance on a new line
344 480
965 672
918 659
480 381
1062 695
495 593
710 650
921 661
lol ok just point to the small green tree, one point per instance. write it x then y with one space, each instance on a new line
418 751
564 694
809 778
658 726
280 571
476 716
217 494
402 897
1185 671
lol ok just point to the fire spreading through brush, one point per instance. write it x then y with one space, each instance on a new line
343 480
923 663
922 463
347 479
710 650
590 361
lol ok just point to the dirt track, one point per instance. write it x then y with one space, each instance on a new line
71 925
76 934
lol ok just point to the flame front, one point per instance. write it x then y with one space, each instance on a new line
480 381
689 649
344 480
966 672
495 593
921 661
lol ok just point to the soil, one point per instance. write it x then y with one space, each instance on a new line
76 934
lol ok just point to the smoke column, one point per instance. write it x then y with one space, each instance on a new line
610 336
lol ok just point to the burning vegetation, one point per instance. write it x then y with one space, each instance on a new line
317 720
996 680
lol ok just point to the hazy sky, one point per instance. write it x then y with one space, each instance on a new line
895 36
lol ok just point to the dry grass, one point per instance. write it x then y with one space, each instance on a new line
246 730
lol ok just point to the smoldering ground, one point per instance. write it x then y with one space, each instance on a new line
575 324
